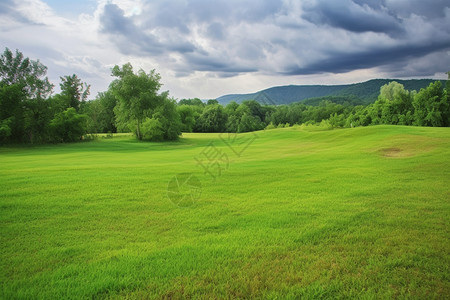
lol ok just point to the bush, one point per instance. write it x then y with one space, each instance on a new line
5 129
270 126
68 126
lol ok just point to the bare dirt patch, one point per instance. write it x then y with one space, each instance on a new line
404 145
392 152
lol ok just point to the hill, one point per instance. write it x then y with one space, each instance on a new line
364 92
293 213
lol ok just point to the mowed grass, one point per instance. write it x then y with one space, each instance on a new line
359 213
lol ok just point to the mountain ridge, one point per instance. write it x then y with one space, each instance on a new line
366 92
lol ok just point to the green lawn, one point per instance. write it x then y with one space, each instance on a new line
359 213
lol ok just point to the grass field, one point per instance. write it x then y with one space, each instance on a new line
285 213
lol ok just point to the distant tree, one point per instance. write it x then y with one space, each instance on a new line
249 122
212 102
188 116
256 109
213 119
231 108
195 101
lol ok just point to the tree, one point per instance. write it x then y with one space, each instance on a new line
138 100
249 122
212 102
213 119
394 105
169 118
73 91
23 87
28 74
431 106
195 102
137 95
188 116
100 113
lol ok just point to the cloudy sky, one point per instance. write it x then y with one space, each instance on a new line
207 48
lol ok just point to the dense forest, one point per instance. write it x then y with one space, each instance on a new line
29 113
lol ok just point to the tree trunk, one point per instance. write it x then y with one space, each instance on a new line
138 131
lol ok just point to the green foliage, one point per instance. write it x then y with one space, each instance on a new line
249 122
73 91
270 126
138 99
68 126
137 94
152 130
213 119
393 105
431 106
5 129
100 113
212 102
195 102
169 118
12 103
15 69
188 115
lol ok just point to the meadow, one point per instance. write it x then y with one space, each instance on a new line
280 214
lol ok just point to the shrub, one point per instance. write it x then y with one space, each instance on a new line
68 126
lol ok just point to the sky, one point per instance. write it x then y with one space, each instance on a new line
209 48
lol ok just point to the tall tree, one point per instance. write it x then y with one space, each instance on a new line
74 91
137 95
27 73
23 89
138 100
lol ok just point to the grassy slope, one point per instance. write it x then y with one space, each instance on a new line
355 212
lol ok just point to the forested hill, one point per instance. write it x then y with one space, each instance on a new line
364 92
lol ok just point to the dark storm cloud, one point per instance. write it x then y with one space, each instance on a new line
429 9
355 17
205 63
341 62
281 37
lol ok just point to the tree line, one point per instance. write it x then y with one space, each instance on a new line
29 113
